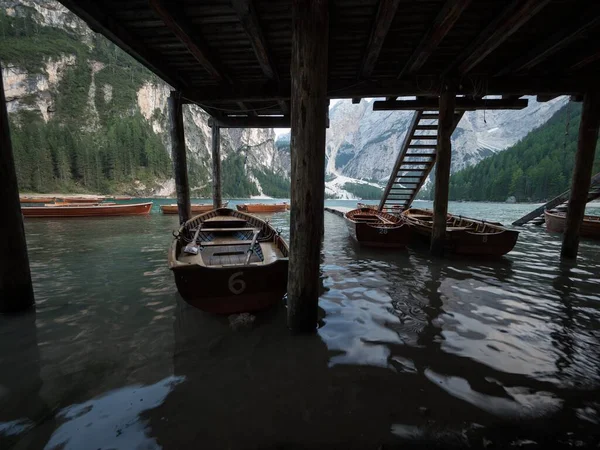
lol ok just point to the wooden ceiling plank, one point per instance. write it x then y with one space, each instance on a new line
517 14
564 37
386 11
182 28
587 60
249 19
443 23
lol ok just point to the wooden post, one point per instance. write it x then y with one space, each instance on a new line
216 166
179 157
582 172
310 24
16 289
442 171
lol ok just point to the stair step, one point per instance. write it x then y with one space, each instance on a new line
430 116
405 184
420 154
426 127
410 170
421 146
424 138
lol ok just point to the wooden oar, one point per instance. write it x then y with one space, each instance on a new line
192 247
251 249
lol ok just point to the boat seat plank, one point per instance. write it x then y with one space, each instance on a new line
225 243
216 230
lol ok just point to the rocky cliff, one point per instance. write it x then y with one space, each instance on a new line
46 44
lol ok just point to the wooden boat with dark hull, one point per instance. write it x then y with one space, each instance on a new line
377 229
464 236
226 262
87 210
197 208
254 208
556 222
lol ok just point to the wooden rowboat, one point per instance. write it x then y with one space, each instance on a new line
392 210
87 210
78 204
464 236
556 222
197 208
377 229
82 199
27 199
225 262
262 207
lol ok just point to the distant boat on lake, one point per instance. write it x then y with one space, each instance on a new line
464 236
556 222
377 229
87 210
263 207
197 208
226 261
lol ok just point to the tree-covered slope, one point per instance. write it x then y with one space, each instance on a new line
537 168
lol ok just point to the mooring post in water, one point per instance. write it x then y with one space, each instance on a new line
16 290
216 165
582 172
310 24
442 171
179 156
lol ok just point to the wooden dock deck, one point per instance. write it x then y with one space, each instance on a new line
338 210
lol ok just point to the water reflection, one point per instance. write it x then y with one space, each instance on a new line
409 349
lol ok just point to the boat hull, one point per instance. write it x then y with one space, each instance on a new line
262 208
557 222
137 209
234 289
497 242
195 209
374 236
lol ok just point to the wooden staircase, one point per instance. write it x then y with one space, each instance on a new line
415 160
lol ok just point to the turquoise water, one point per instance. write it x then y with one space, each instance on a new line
410 348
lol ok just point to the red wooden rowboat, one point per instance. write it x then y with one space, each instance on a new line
77 210
82 199
262 207
556 222
197 208
464 236
225 262
27 199
377 229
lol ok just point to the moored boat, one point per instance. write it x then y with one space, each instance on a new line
226 261
377 229
87 210
82 199
30 199
262 207
464 236
197 208
556 222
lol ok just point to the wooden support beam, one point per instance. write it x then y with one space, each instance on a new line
386 11
461 104
545 98
356 101
216 167
310 25
517 14
247 14
582 172
585 61
443 23
253 122
425 85
16 289
442 171
183 29
92 13
566 35
284 106
179 156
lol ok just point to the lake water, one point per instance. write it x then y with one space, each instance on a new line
411 349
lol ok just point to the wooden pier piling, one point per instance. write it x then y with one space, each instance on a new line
16 289
310 25
582 172
216 166
179 156
442 171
